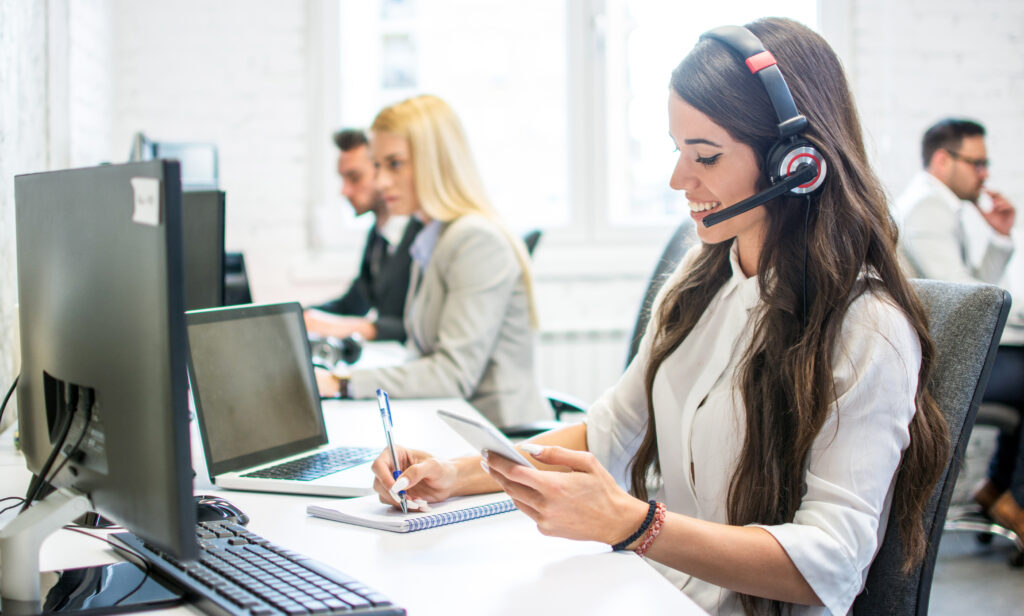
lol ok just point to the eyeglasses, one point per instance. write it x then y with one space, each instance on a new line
979 164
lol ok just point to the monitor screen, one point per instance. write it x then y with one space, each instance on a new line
253 405
102 317
198 162
199 166
203 244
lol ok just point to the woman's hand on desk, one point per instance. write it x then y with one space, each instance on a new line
424 477
584 504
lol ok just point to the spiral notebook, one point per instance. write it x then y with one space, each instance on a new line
369 511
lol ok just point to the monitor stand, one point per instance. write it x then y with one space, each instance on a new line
93 590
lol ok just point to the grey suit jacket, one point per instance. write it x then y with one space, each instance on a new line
468 319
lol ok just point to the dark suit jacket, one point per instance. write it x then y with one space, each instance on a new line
382 284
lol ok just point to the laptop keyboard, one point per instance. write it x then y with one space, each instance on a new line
317 465
240 573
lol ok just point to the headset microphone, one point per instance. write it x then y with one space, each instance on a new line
803 174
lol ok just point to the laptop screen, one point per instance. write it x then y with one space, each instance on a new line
253 385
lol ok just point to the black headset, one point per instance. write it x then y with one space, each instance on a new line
793 165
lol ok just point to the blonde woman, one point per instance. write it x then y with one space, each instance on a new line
469 313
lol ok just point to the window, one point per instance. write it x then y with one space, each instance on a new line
502 67
647 39
564 101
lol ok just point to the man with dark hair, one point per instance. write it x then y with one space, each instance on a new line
374 303
943 232
937 208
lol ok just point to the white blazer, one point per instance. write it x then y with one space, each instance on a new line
700 422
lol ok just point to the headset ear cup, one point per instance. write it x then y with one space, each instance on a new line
786 156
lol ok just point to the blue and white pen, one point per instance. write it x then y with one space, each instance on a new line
385 417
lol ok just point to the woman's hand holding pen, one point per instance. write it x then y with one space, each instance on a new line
584 504
424 478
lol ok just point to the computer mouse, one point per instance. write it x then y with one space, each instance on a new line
210 508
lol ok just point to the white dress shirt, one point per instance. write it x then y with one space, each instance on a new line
945 238
700 421
938 240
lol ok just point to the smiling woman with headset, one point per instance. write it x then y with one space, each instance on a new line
777 407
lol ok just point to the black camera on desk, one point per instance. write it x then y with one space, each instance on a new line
328 351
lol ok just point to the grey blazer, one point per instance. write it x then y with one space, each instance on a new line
468 319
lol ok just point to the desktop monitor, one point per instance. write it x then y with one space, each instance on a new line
102 396
203 245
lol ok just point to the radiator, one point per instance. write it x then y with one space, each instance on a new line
582 364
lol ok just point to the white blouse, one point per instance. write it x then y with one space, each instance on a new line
700 421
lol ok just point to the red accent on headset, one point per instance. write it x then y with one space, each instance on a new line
793 162
760 61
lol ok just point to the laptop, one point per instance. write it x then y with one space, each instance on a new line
258 407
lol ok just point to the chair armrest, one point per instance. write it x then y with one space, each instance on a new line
531 429
564 403
561 403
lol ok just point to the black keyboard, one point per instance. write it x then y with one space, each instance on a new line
240 573
317 465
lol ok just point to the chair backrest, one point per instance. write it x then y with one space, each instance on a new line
965 322
530 238
681 240
236 280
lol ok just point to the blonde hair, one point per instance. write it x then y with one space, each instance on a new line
448 185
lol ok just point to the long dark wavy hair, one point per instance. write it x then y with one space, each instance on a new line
786 375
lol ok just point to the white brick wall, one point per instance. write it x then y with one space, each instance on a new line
237 74
23 148
90 88
914 61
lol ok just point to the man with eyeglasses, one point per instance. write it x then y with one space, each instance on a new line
941 203
946 234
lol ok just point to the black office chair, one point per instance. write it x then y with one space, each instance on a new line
236 280
682 239
530 238
966 321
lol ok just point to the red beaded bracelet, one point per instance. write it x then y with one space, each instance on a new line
652 532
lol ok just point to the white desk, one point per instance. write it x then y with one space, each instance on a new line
498 565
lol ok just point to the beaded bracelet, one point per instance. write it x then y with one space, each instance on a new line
643 528
659 519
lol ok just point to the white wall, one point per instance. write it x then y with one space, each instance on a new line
23 123
913 62
240 74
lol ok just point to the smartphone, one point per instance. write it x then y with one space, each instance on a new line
483 435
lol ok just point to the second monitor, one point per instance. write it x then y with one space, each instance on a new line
203 248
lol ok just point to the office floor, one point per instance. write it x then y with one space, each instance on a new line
971 578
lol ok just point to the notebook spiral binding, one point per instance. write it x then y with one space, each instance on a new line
453 517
